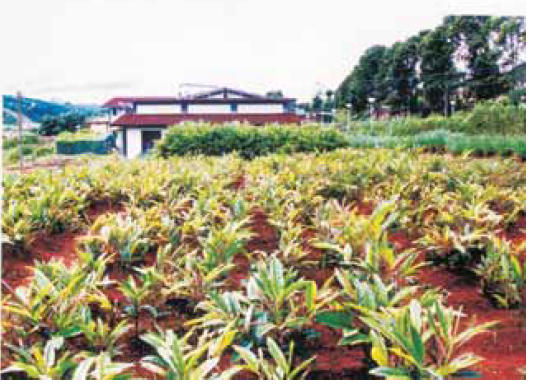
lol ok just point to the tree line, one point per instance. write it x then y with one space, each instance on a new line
463 60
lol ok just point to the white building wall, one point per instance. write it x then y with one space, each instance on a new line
270 108
159 109
209 109
134 143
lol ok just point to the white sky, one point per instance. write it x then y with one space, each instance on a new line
88 51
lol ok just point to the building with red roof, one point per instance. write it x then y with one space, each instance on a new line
139 121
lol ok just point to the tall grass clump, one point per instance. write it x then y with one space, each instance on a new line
446 141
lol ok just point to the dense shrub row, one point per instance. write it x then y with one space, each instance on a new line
248 141
490 117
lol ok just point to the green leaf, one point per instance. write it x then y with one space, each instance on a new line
379 350
467 374
335 319
418 346
82 371
310 295
391 373
249 357
70 331
300 368
50 350
354 338
277 354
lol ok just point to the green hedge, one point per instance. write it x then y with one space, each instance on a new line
70 145
81 147
247 141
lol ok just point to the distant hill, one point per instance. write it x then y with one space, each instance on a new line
35 109
9 118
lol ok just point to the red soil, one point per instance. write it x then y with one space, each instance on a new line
504 347
239 183
16 268
362 207
103 207
265 235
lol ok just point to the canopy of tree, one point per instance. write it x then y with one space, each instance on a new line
464 60
52 125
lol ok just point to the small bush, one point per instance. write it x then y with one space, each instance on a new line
43 151
13 154
27 139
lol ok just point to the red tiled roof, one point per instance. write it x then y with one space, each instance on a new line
140 120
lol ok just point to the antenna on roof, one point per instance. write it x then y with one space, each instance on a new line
192 85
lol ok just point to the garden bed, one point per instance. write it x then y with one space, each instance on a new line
503 347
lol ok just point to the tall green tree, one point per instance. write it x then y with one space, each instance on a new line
437 70
475 34
317 104
366 80
402 74
511 39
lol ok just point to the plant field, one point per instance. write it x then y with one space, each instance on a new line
352 264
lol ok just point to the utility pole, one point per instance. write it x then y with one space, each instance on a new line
348 116
19 100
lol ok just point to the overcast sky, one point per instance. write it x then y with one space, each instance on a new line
90 50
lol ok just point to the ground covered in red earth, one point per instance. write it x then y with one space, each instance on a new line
503 349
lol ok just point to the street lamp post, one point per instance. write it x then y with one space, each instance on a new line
371 100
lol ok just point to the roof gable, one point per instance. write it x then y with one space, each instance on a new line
227 93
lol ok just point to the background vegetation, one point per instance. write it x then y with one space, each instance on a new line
464 60
487 117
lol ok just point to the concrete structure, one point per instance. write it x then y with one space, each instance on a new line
139 121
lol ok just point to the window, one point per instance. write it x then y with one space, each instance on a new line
234 107
184 108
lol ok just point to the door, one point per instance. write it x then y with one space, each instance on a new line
148 139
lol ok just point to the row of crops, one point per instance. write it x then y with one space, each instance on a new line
183 283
